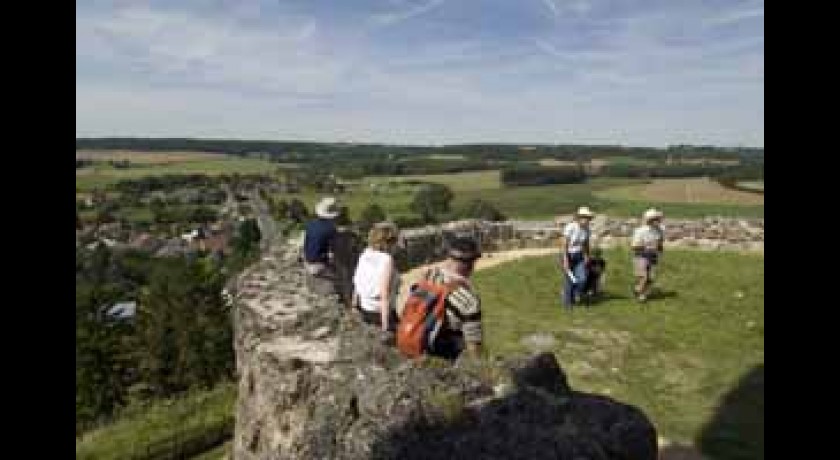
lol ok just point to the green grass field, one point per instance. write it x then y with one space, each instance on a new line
100 175
545 202
538 202
465 181
185 423
218 453
605 195
675 357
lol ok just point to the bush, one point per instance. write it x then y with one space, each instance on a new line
480 209
372 214
408 221
536 175
431 201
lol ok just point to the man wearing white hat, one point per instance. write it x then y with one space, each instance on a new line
575 255
647 245
318 239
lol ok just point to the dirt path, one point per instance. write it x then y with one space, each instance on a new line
490 259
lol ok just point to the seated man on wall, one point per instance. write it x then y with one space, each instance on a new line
319 240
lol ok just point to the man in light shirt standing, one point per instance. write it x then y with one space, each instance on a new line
647 246
574 256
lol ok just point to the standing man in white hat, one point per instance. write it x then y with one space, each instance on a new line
575 255
318 239
647 245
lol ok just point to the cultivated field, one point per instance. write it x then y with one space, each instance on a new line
465 181
538 202
147 158
593 165
692 358
616 196
146 164
691 190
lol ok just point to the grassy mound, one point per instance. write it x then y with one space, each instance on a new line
173 428
682 357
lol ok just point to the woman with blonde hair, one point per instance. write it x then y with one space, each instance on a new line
376 281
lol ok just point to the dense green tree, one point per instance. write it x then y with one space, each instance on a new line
279 209
298 211
431 201
103 359
480 209
247 238
372 214
183 328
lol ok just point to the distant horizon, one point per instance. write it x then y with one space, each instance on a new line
391 144
424 72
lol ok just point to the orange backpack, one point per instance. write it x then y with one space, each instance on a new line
422 317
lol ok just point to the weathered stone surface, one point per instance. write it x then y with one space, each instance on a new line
316 383
425 244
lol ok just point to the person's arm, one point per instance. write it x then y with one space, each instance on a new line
661 245
563 260
355 300
586 256
385 294
564 247
468 307
332 241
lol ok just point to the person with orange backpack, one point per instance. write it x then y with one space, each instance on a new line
442 315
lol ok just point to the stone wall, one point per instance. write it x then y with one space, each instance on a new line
315 383
422 245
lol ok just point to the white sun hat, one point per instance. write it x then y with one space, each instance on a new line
651 214
327 208
584 211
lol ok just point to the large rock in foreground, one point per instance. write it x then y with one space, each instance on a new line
317 384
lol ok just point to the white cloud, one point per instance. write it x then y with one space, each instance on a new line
395 17
213 50
731 17
552 7
652 77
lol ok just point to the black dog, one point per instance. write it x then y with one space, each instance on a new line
595 270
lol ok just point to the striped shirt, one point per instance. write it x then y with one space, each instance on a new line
463 306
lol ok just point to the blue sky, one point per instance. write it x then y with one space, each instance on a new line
632 72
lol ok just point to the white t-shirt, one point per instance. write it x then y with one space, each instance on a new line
576 237
647 236
367 280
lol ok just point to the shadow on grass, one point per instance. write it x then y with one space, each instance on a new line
678 452
663 295
736 432
527 425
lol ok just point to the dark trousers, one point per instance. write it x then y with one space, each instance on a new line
448 345
571 289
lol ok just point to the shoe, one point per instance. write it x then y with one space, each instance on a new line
642 298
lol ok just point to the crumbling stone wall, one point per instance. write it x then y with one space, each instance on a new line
425 244
315 383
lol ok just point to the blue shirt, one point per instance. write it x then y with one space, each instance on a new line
318 239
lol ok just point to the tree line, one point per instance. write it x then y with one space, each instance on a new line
307 151
179 338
